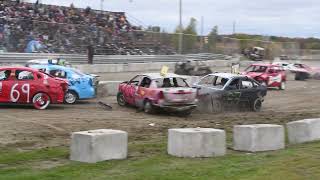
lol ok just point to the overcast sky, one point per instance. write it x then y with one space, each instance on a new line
294 18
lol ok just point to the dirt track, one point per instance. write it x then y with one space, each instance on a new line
24 127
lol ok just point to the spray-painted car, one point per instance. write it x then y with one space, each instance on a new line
270 75
81 86
303 71
151 91
21 85
220 91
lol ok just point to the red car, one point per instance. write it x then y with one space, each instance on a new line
269 75
152 91
23 85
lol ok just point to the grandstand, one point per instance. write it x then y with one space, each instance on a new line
32 27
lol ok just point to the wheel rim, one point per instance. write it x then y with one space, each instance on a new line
147 107
70 98
121 100
41 101
283 85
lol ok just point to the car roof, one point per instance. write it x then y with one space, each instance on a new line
19 68
227 75
158 75
52 66
263 64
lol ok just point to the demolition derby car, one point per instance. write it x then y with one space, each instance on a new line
220 91
269 75
81 86
192 68
29 86
153 91
303 72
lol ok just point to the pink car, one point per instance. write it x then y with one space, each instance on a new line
304 71
269 75
153 91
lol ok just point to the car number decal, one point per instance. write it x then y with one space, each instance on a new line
233 96
15 94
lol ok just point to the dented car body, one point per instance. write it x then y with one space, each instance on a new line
270 75
152 91
220 91
21 85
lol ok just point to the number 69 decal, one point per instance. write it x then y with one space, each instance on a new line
15 94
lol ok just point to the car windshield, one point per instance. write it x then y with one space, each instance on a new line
256 69
171 82
77 72
213 81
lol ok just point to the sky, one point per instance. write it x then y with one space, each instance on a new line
291 18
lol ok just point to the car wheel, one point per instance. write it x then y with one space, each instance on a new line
257 105
120 99
185 113
41 101
282 85
70 97
148 107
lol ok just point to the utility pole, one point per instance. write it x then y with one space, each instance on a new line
101 5
202 37
180 27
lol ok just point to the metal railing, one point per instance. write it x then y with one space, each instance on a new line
22 58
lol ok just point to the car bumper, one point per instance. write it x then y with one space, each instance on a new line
177 108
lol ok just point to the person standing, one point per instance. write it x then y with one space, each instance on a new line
90 51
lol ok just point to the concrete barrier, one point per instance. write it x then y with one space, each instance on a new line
196 142
108 88
303 131
258 137
98 145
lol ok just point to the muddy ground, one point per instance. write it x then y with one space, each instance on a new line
26 128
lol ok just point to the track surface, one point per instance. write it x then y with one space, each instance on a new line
23 127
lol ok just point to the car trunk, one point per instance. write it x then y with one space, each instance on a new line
179 95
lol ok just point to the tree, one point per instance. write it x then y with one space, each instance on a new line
190 36
212 39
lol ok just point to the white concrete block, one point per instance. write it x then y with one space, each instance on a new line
258 137
108 88
304 131
196 142
98 145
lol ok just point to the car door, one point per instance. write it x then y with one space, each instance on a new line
275 76
248 90
142 91
6 82
131 88
232 93
24 86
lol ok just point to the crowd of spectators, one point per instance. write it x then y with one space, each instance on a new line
35 27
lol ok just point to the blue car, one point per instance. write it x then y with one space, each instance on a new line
81 86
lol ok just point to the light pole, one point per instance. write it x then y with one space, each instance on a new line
180 27
101 5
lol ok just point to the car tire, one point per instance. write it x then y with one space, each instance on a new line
120 99
256 105
148 107
282 86
70 97
185 113
41 101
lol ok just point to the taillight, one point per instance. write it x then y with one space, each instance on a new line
183 92
161 95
